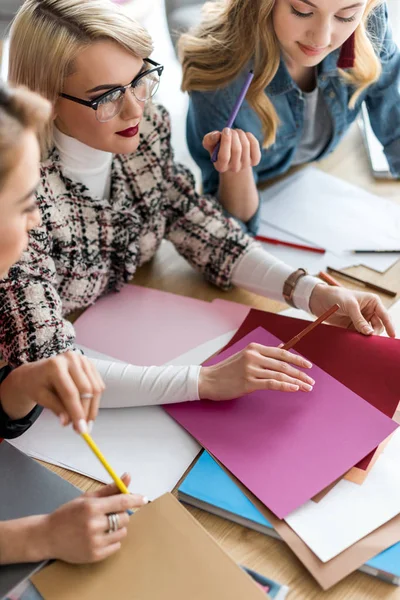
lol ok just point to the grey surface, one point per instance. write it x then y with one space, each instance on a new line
8 9
27 488
181 15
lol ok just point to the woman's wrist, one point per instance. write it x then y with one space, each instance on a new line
13 401
205 383
238 194
25 540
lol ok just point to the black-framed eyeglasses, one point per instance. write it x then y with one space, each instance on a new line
109 104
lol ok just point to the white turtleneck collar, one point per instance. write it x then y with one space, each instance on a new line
84 164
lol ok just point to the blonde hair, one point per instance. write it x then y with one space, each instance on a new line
47 35
234 32
20 110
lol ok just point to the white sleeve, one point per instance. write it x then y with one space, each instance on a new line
129 385
261 273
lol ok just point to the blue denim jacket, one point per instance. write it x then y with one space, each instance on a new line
209 111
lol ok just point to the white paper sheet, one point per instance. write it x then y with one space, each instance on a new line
325 211
349 511
144 441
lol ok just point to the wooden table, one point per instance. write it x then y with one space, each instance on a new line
169 272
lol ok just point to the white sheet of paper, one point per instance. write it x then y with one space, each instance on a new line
296 313
325 211
349 511
144 441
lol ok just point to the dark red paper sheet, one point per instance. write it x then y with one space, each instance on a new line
369 366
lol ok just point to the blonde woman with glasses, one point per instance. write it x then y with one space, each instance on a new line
82 530
110 192
314 63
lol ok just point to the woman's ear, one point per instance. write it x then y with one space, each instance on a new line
348 53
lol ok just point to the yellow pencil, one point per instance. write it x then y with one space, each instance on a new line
117 480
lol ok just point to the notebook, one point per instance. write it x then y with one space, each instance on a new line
30 489
208 487
166 555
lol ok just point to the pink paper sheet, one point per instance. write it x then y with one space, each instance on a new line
148 327
286 447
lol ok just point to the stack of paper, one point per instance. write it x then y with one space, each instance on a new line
351 523
301 443
314 208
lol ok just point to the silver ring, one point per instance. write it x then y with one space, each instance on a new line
86 396
113 523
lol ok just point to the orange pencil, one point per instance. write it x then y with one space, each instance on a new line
289 345
329 279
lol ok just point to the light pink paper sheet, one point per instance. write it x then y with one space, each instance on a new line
286 447
143 326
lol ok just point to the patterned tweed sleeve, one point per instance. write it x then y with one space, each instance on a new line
31 323
195 224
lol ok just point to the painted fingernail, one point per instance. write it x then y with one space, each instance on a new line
90 426
82 426
367 329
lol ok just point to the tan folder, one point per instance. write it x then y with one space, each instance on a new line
167 555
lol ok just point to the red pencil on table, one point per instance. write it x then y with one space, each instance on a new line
268 240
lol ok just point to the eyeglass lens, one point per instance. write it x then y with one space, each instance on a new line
142 90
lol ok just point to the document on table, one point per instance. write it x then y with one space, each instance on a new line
144 440
321 210
349 511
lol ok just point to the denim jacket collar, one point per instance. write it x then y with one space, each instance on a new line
283 83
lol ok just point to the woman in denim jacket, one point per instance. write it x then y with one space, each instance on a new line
314 64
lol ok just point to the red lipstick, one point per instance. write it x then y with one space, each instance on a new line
130 132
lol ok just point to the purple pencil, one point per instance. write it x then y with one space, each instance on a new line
235 111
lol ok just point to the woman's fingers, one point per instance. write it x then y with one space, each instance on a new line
122 521
224 153
120 503
255 150
385 318
66 390
235 165
97 388
271 375
278 366
211 140
244 143
280 354
111 488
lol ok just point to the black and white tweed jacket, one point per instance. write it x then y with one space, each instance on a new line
86 247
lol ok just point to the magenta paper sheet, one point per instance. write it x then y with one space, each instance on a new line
143 326
286 447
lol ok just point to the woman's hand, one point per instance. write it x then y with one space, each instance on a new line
360 311
256 367
238 150
67 384
77 532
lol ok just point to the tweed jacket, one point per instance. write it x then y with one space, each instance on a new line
86 247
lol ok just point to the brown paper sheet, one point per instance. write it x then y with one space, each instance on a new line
330 573
167 555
